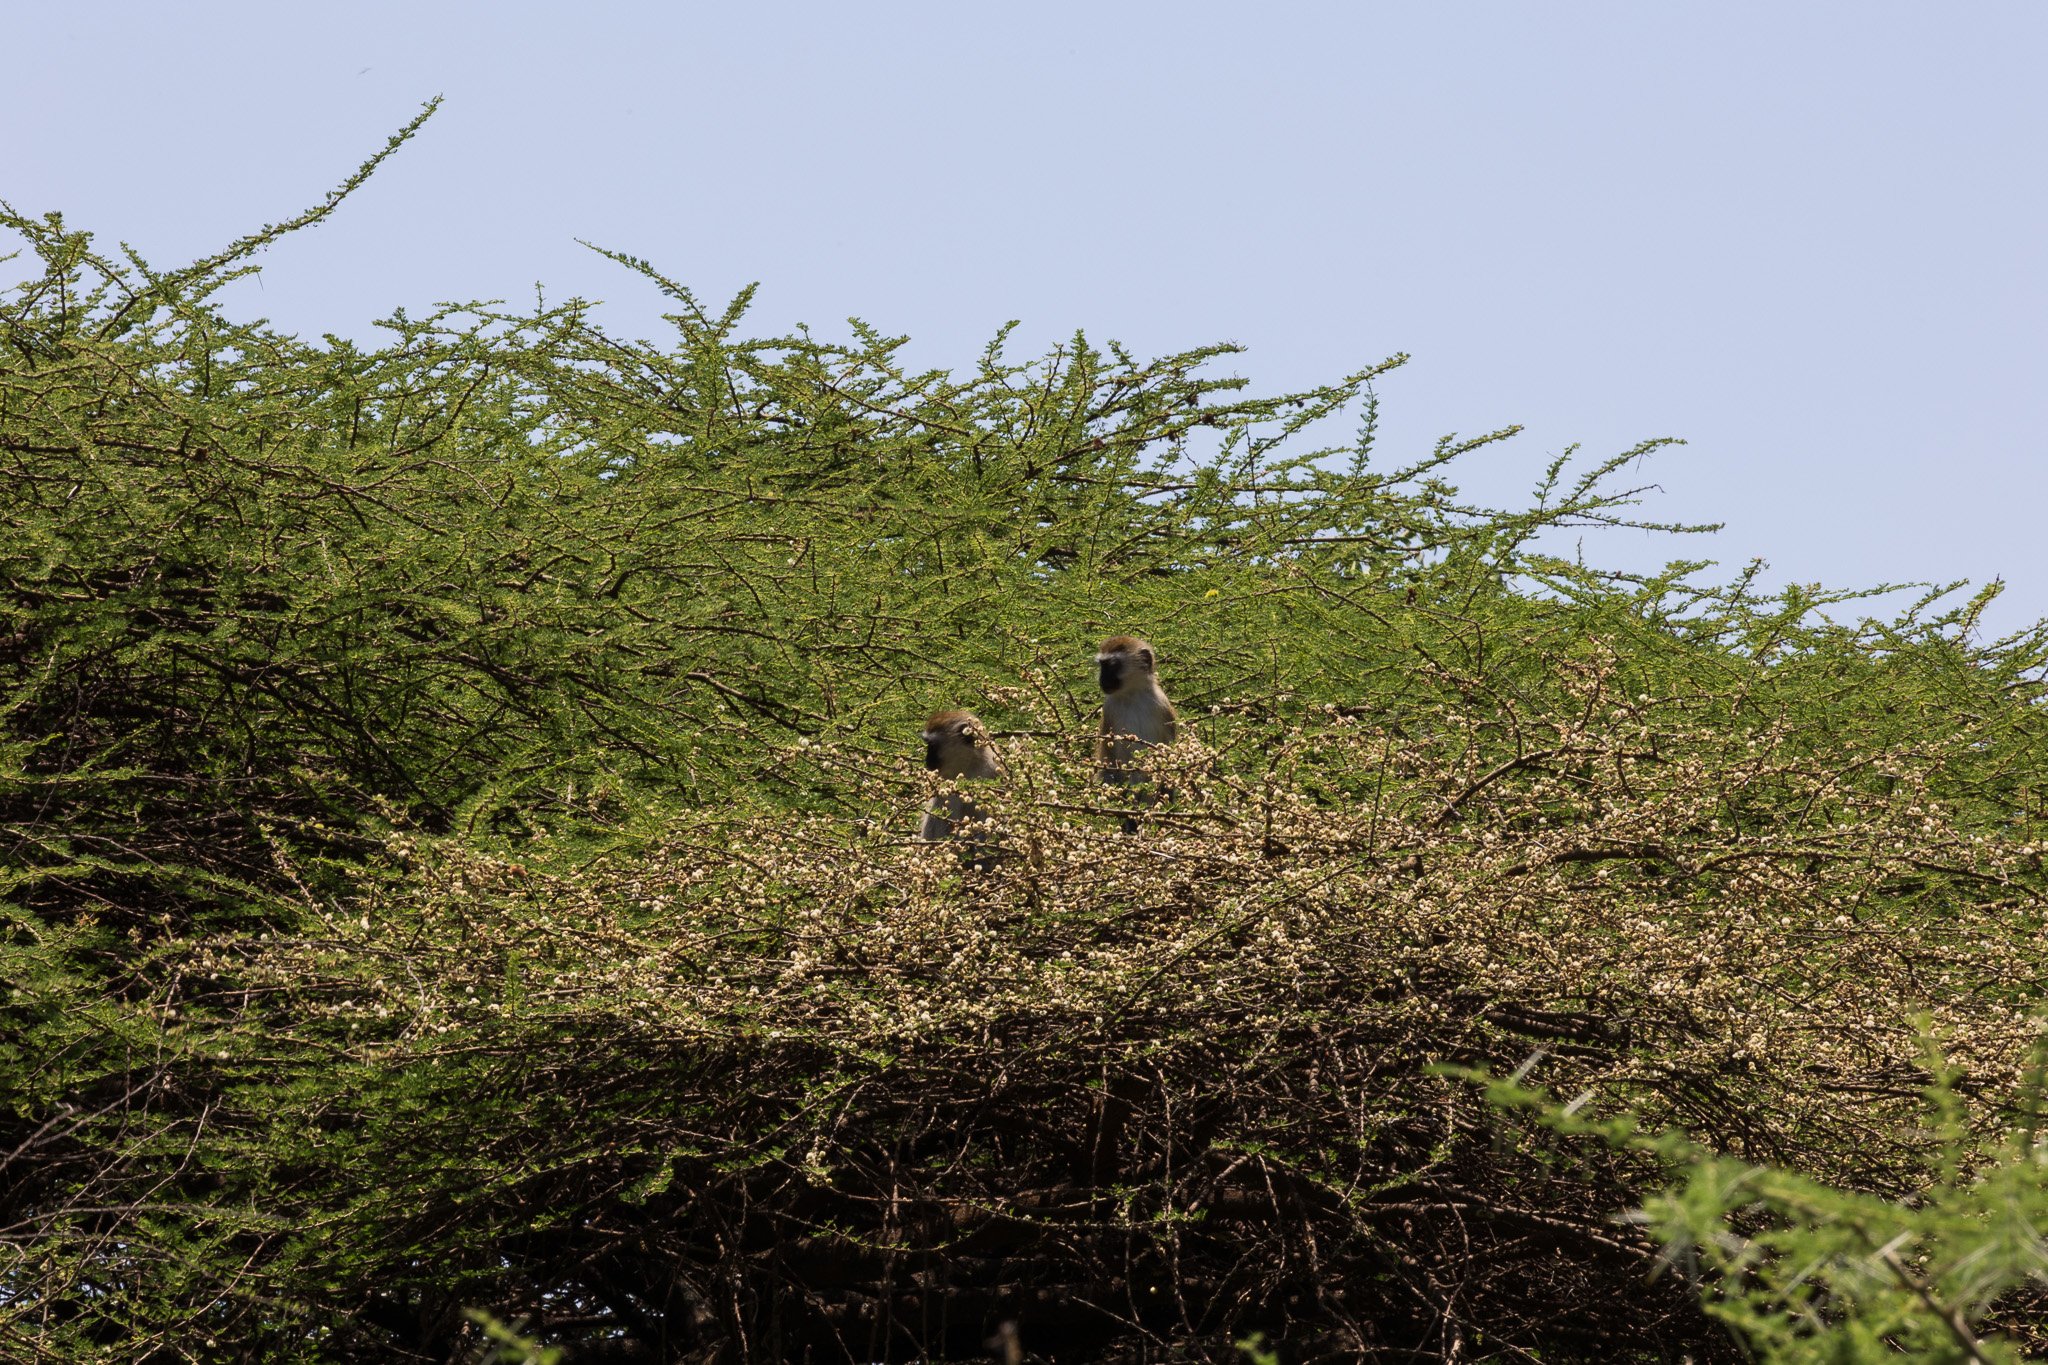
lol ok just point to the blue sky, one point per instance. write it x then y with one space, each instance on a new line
1808 238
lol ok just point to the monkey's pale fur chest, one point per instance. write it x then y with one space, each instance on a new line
1133 720
948 810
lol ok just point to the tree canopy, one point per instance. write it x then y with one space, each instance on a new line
457 800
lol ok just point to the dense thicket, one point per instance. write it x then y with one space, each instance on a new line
456 801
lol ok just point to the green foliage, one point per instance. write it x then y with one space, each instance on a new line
1808 1272
1255 1350
456 800
509 1347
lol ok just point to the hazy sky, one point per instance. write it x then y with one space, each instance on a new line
1807 237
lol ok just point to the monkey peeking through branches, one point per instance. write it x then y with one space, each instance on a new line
957 747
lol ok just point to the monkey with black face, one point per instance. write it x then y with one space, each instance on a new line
1135 712
957 747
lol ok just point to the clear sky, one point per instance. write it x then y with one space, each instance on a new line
1807 237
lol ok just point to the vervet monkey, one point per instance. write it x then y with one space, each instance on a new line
1135 712
957 746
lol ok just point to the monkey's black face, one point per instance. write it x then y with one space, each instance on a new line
1110 673
931 754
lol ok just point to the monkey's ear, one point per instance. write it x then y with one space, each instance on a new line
1146 655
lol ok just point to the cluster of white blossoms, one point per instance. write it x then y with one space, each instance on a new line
1682 920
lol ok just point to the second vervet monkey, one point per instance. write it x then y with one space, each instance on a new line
957 747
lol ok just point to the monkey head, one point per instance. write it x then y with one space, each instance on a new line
954 742
1122 659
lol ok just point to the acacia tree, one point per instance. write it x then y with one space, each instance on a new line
456 812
